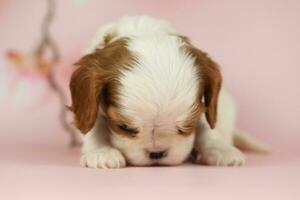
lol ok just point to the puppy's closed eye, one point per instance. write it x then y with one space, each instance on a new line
185 131
127 129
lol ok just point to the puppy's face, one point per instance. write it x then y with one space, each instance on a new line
151 91
163 139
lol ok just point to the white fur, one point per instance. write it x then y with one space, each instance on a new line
157 95
131 26
215 146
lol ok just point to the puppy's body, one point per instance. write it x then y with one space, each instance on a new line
162 99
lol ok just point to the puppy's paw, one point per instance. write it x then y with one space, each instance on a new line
105 157
221 156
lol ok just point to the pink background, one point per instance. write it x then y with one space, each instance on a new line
257 44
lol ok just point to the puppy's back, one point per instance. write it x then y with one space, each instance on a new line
130 27
143 25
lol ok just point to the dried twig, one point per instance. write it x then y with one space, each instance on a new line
47 42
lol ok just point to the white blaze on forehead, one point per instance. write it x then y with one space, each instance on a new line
162 84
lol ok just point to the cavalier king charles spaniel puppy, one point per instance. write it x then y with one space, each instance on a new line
145 95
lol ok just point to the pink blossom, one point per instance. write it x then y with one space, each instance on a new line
23 82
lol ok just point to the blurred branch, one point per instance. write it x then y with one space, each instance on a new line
47 42
46 39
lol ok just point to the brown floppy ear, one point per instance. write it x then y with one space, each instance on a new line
86 85
212 85
93 84
210 75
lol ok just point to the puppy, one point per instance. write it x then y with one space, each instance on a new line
144 95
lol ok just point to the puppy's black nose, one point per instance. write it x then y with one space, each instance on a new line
157 155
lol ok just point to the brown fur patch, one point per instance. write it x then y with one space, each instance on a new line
109 37
209 72
95 83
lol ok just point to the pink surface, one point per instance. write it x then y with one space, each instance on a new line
257 44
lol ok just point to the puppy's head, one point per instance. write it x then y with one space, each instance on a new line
152 91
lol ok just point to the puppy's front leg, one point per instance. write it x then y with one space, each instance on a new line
97 152
215 148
